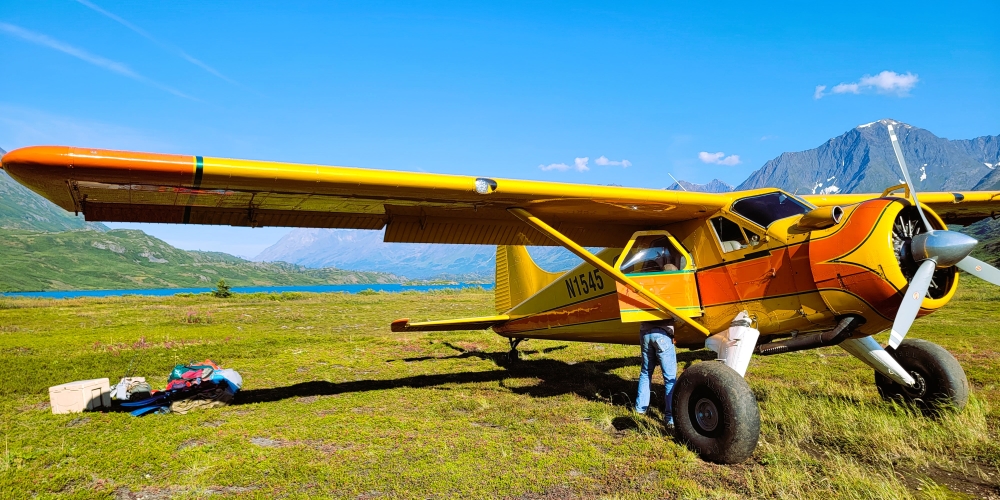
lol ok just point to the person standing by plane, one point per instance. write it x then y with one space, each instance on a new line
656 341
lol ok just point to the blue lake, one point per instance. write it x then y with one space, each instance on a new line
389 287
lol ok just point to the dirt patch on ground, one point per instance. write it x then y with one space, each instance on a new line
78 421
318 445
977 480
153 493
40 406
190 443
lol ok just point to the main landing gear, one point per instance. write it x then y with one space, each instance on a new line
715 413
513 355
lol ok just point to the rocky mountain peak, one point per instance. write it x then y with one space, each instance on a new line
862 160
713 186
885 122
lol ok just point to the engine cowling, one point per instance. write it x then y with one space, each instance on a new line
862 265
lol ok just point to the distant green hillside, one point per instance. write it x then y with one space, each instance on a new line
125 259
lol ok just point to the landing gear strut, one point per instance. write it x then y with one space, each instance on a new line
513 355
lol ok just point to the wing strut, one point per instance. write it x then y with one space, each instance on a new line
592 259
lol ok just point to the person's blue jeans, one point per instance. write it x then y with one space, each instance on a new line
657 347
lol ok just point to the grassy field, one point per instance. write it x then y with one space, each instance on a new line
335 405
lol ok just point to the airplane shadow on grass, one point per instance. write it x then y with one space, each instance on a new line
591 380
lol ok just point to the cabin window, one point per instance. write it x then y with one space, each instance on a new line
767 208
652 254
732 236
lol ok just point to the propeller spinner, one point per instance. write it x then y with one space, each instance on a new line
934 249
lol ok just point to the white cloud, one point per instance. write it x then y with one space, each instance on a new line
604 161
889 82
561 167
846 88
886 82
580 164
719 158
113 66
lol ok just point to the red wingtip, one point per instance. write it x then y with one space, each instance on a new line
399 325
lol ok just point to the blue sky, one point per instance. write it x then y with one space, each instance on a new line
488 89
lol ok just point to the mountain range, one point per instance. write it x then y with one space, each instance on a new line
364 250
713 186
860 160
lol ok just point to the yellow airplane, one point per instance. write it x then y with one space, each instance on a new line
752 272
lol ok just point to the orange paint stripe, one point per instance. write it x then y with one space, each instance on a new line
597 309
102 165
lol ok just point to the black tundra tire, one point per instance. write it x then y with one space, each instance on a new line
941 382
715 413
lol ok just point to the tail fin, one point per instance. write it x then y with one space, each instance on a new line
518 277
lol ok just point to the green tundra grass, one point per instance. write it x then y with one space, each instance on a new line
335 405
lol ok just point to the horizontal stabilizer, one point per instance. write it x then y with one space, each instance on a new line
481 323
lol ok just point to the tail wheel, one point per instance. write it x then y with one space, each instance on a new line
941 382
715 413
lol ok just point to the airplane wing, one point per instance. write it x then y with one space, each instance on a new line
119 186
960 208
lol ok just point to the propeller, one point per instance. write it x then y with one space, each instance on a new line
980 270
935 249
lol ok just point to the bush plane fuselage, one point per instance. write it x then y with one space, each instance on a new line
790 279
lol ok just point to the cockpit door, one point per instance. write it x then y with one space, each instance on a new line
655 260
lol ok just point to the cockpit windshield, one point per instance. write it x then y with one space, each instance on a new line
767 208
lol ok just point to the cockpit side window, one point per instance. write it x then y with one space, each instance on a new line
652 254
730 235
767 208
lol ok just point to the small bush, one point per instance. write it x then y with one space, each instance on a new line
222 290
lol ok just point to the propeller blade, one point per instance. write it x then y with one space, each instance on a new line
912 299
980 270
906 177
